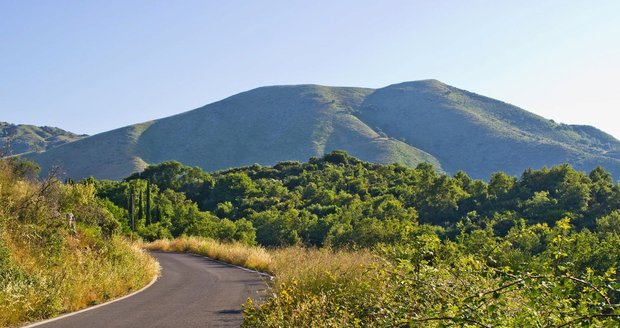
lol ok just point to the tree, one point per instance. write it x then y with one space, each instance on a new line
132 209
140 207
148 201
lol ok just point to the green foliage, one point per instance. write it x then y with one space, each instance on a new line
536 276
539 250
338 200
172 213
173 175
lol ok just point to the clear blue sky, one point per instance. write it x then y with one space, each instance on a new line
90 66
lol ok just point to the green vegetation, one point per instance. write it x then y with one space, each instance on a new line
407 123
338 200
361 244
48 267
351 243
478 280
19 139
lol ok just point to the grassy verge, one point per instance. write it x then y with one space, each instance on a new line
309 283
255 258
34 286
47 268
317 288
399 286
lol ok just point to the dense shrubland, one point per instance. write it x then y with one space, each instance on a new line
46 267
477 280
388 245
340 201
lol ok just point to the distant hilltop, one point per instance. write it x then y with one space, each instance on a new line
406 123
19 139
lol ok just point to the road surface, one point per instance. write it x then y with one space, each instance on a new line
192 291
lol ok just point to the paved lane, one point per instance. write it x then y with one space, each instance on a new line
191 292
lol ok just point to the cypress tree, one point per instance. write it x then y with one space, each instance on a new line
140 207
148 201
132 208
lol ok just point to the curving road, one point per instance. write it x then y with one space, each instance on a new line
192 291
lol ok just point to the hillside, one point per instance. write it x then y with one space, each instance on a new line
480 135
263 126
19 139
407 123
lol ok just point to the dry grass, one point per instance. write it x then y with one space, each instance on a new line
316 288
316 266
287 264
44 271
250 257
309 283
124 269
34 288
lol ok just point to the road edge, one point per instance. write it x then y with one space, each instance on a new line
92 307
229 264
265 274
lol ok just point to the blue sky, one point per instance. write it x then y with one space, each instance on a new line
91 66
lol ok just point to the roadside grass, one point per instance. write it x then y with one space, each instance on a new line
317 287
287 263
309 284
314 268
35 286
251 257
45 269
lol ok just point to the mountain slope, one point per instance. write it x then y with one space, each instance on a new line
407 123
106 155
18 139
263 126
480 135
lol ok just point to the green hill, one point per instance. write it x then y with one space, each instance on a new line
263 126
19 139
408 123
480 135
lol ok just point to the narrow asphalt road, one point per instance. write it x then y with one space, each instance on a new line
192 291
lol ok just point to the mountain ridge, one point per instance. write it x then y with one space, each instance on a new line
486 122
408 123
18 139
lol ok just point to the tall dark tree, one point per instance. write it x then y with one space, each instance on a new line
140 207
132 208
148 201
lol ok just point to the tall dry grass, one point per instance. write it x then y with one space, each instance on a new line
309 285
316 287
45 269
35 289
251 257
315 268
